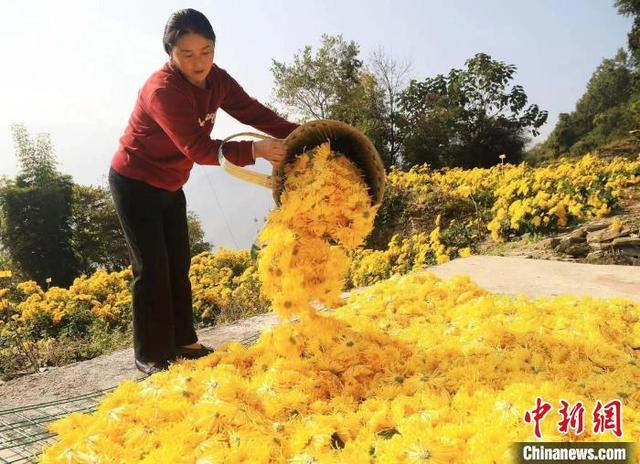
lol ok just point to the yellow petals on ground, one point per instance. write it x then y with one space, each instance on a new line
413 369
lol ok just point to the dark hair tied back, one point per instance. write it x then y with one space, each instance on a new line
183 22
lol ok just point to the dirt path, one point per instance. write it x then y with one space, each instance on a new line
507 275
109 370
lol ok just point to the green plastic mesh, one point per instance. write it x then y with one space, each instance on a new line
23 430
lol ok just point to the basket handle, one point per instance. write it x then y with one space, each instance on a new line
240 172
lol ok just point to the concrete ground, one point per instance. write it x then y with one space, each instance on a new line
535 277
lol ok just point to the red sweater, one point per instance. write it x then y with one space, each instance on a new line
171 123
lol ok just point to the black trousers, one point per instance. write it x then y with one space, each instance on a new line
154 222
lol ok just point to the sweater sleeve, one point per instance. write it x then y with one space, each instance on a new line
177 116
250 111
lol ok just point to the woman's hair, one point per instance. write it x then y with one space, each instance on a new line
183 22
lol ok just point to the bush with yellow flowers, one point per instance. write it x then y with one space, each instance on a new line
401 257
556 196
462 206
413 201
60 325
104 296
225 286
544 199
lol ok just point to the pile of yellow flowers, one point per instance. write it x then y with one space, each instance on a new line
326 212
411 370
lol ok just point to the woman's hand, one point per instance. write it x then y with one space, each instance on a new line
273 150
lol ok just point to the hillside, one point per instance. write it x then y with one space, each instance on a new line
611 240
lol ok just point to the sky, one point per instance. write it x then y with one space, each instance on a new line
73 69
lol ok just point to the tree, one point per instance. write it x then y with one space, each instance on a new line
605 111
391 76
36 207
632 8
53 228
314 86
37 163
609 86
98 241
468 117
333 84
197 243
97 238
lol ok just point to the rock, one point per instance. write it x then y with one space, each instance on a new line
630 251
600 245
607 235
564 244
577 238
568 242
593 237
548 243
594 256
579 233
596 226
578 250
626 241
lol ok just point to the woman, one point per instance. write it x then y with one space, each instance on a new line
168 131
